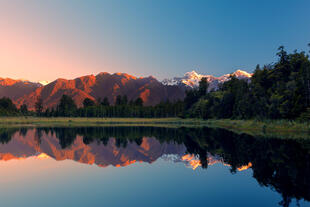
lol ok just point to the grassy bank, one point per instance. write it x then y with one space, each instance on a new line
280 128
272 128
81 122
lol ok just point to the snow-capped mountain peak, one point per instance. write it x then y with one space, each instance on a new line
193 74
192 79
242 73
44 82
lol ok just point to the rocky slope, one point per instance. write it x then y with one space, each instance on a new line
15 89
104 85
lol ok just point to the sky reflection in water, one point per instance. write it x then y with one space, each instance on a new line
131 166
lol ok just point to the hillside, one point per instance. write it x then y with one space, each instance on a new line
104 85
15 89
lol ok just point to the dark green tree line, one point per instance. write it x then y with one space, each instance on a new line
277 91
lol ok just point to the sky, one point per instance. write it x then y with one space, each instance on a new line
46 40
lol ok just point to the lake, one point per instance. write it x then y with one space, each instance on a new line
150 166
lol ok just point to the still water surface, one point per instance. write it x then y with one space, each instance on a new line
147 166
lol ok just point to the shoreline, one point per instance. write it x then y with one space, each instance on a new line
272 128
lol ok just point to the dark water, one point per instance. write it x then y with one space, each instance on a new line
147 166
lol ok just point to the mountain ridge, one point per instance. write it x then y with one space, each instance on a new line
110 85
15 89
103 85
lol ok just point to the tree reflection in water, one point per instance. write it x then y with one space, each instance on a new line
280 164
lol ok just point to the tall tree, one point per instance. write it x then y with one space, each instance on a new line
203 86
7 107
24 109
118 100
124 100
105 102
139 102
88 102
39 106
67 106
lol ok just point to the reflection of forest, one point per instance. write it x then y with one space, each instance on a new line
281 164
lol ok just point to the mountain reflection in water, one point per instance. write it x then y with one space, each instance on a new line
282 165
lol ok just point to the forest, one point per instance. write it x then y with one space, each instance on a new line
280 90
275 91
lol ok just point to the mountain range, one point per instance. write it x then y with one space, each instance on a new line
95 87
191 79
23 146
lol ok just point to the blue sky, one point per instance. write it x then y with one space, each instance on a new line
44 40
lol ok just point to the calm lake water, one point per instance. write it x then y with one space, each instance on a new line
148 166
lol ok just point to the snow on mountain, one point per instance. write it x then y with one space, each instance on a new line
191 160
192 79
44 82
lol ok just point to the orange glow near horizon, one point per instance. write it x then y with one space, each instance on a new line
245 167
194 162
128 162
190 159
8 157
31 55
42 156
